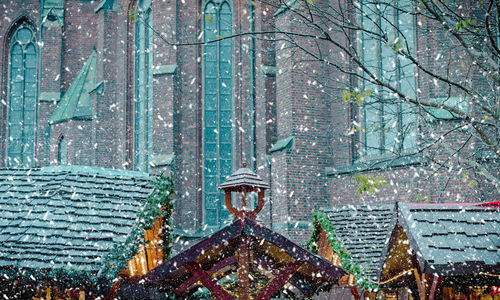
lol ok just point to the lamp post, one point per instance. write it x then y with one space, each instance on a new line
244 181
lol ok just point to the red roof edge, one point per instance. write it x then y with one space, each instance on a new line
495 204
489 204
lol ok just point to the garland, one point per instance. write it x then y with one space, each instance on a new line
160 203
321 221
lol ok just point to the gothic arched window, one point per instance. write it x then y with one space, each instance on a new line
217 91
22 95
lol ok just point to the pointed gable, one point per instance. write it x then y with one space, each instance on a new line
453 239
75 104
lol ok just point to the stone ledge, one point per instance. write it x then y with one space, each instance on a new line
49 97
269 71
162 160
460 103
164 70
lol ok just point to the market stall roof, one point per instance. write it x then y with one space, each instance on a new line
453 239
66 218
446 238
362 230
216 256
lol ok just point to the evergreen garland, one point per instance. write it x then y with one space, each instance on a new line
160 203
321 220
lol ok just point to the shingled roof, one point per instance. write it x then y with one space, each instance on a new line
362 230
66 217
243 177
453 239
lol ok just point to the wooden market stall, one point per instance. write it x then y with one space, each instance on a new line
66 232
244 260
413 251
444 251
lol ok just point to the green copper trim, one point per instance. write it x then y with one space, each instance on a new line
164 70
75 104
49 97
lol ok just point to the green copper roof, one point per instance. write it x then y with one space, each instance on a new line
66 218
54 8
75 104
286 6
104 4
283 143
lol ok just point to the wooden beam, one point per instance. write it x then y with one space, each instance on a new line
296 282
191 280
436 285
420 283
260 204
279 281
243 269
354 292
207 281
229 204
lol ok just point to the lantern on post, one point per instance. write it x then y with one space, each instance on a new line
244 181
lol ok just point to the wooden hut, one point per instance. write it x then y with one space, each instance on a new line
444 251
244 260
413 251
65 230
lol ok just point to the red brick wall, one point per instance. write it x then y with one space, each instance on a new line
293 102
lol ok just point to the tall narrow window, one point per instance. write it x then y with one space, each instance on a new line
389 122
218 147
62 152
22 93
143 85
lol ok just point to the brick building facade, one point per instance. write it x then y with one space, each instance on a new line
113 91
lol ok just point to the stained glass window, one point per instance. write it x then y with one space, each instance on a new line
22 95
217 91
